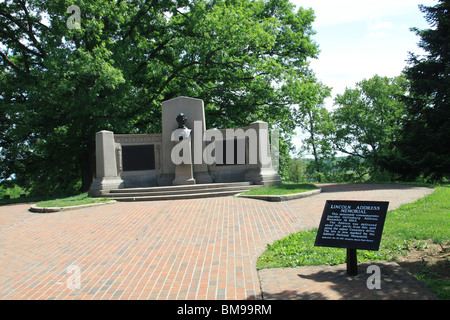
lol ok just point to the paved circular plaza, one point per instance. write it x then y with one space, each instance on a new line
184 249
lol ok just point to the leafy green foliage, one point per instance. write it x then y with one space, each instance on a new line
367 120
12 192
317 123
58 86
422 146
391 129
296 170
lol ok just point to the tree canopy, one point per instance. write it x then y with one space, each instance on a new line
367 120
59 85
423 146
391 128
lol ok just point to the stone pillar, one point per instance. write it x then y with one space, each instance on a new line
262 171
106 164
105 153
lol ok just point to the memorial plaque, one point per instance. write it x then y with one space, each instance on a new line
352 224
139 157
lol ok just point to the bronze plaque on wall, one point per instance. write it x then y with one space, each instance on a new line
139 157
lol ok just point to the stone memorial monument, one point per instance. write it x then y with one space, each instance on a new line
183 153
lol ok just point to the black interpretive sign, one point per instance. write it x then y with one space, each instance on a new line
352 224
138 157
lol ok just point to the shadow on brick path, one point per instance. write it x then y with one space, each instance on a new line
333 283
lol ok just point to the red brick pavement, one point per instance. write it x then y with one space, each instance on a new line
184 249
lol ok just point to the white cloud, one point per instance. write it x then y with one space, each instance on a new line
378 29
375 26
404 26
378 34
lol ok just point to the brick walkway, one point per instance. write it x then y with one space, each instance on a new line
185 249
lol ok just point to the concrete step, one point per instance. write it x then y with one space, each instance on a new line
182 187
178 196
179 192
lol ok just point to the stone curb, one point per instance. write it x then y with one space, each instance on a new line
33 208
284 197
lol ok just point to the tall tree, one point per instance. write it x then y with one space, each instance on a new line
315 121
367 119
60 84
422 147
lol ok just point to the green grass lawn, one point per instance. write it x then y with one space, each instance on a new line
281 189
71 201
16 195
410 226
13 192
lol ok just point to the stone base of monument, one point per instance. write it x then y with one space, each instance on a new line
183 175
264 176
101 185
179 192
182 181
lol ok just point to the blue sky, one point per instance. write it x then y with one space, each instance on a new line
359 39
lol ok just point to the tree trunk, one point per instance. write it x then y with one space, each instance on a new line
313 144
87 167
